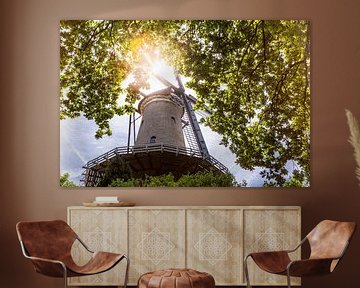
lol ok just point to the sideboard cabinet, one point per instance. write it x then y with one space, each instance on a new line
211 239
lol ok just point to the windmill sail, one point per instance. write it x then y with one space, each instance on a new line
189 133
195 127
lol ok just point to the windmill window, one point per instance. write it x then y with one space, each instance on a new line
153 139
173 118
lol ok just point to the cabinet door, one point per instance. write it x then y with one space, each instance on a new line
214 244
156 240
101 230
270 230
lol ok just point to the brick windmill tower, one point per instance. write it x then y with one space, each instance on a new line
169 139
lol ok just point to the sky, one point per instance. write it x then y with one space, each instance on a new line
78 144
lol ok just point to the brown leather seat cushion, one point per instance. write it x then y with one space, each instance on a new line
176 278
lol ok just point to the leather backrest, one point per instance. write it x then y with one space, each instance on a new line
329 238
47 239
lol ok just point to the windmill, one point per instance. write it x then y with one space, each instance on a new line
167 120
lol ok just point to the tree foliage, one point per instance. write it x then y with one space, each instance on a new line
200 179
252 75
116 169
95 58
65 182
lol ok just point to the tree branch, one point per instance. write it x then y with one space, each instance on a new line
95 33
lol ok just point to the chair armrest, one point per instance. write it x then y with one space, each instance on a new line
309 267
281 251
268 253
46 260
48 267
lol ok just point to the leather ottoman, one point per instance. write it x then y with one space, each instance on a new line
176 278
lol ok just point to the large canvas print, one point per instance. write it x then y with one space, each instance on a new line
185 103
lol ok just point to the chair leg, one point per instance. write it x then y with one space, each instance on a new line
65 275
246 272
288 278
127 271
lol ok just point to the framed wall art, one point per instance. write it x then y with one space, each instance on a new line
185 103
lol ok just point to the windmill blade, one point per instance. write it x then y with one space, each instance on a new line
189 97
193 100
181 85
159 77
181 89
202 113
165 82
199 138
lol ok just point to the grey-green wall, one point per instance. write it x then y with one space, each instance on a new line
29 119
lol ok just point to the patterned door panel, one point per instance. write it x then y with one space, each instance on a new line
270 230
214 241
100 230
157 240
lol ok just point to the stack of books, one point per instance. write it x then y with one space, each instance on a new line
106 199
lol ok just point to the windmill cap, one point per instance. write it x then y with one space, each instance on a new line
160 95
